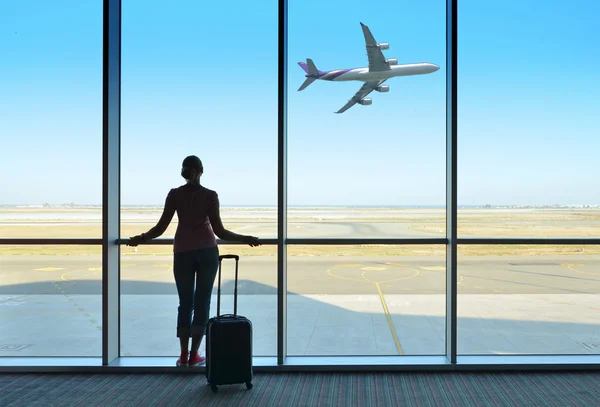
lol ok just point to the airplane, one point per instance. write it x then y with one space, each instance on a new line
379 70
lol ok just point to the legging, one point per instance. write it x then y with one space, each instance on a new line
200 267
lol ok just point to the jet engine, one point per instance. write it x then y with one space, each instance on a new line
383 88
383 45
392 61
365 101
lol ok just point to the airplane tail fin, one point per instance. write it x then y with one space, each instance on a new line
310 68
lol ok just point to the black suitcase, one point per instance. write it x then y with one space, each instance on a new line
228 342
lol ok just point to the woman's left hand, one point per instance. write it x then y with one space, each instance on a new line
252 241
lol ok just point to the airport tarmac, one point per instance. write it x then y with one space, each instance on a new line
337 305
51 305
317 275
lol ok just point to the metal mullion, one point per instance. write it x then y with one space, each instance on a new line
529 241
451 179
364 241
50 241
111 151
154 242
282 27
331 241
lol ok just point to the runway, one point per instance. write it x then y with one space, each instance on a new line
380 229
30 275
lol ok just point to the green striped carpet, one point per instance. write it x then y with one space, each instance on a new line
303 389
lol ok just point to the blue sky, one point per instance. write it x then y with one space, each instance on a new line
201 78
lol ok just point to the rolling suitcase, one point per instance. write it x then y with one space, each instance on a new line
228 342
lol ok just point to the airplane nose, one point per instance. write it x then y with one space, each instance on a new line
435 67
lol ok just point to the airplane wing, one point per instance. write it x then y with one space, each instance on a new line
377 61
364 90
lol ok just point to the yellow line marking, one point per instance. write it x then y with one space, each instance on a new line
478 286
570 267
382 299
499 291
389 318
150 274
68 297
64 276
374 268
49 269
365 280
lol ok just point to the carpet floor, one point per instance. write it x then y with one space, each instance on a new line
571 389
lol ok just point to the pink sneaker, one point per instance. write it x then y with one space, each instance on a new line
183 359
195 360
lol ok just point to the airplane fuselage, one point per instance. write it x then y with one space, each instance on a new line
363 74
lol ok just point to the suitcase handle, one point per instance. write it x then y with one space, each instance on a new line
229 256
237 260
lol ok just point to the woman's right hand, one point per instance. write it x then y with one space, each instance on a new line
135 240
252 241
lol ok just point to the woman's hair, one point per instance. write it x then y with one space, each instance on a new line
190 165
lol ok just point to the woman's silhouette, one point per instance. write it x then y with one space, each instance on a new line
196 255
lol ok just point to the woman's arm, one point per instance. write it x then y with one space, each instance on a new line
217 225
225 234
161 226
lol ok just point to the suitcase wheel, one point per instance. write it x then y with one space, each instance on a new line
214 388
248 385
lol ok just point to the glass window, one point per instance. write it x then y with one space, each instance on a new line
51 301
149 298
528 122
515 299
366 300
197 85
51 119
372 171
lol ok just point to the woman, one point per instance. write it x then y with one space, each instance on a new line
196 255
